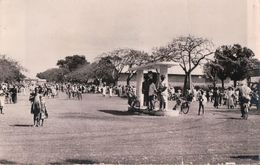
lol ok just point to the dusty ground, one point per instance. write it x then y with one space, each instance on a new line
99 130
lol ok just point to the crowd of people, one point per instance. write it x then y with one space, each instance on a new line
153 89
242 96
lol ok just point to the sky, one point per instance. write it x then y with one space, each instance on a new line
38 33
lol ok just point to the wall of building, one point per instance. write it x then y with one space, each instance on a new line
176 80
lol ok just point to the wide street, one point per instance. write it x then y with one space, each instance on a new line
100 130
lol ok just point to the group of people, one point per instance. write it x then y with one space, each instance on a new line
8 94
231 97
151 91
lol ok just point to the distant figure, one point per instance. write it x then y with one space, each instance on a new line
43 111
152 93
162 92
230 98
110 91
35 107
216 97
104 90
2 99
244 98
202 101
145 90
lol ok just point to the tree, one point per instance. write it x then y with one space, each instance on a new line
80 75
132 59
72 62
53 75
120 60
210 71
236 61
213 70
188 51
102 71
10 70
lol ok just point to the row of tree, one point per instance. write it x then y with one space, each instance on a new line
10 70
189 52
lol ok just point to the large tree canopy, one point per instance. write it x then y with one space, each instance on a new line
189 52
53 75
236 61
112 64
10 70
72 62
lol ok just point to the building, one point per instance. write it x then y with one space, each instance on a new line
177 79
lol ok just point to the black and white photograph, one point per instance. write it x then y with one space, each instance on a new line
130 82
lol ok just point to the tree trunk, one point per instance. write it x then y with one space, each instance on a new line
223 84
235 83
185 84
128 80
214 83
129 77
248 81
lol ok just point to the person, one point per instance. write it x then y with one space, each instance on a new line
211 95
43 110
230 98
2 99
244 99
202 101
207 95
110 88
104 90
162 92
145 90
35 106
14 94
152 93
216 97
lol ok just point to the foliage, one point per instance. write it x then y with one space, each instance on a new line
112 64
212 70
10 70
81 75
53 75
72 62
236 61
188 51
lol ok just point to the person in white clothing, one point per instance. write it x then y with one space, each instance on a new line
162 92
152 93
2 99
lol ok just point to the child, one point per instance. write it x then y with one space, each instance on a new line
202 100
43 110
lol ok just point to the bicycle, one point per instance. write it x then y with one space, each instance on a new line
184 105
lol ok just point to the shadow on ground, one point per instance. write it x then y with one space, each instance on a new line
231 118
75 161
3 161
237 111
21 125
117 112
252 157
